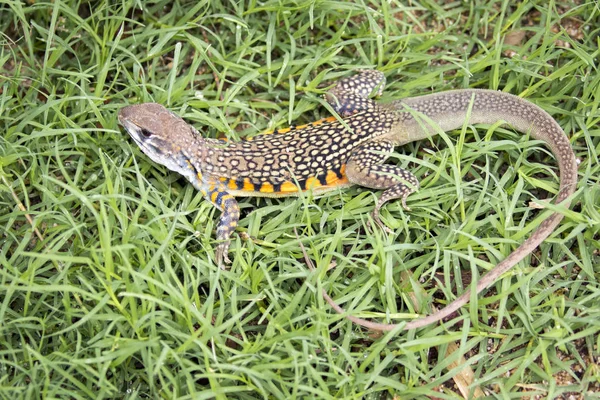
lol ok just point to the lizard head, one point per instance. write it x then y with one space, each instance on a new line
164 137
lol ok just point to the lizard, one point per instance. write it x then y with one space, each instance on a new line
337 152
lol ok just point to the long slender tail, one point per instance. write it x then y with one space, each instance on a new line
449 110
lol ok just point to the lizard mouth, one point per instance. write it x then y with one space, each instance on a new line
136 133
143 140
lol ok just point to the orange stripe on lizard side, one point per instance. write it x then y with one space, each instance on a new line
333 178
286 130
323 120
267 188
288 187
248 185
231 184
312 183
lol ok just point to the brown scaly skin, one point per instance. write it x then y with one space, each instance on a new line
326 155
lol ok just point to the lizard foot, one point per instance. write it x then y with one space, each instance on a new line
221 256
379 222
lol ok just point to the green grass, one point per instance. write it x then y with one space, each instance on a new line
119 296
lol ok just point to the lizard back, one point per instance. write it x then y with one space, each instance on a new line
285 162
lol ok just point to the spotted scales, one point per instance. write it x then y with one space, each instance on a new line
336 152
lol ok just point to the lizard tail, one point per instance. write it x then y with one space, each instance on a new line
422 117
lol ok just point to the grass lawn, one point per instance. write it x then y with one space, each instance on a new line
108 286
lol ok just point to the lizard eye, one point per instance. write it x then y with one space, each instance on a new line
145 132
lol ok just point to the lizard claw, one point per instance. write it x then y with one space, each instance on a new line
382 226
221 255
406 208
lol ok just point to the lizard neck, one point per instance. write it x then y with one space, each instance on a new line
192 159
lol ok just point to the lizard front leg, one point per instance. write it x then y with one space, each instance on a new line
218 195
365 167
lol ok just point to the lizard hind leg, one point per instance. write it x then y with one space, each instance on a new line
351 95
398 191
365 167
